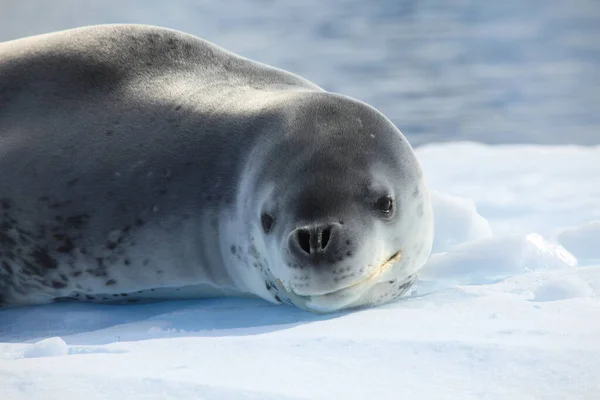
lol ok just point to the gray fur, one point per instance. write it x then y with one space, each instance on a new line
136 162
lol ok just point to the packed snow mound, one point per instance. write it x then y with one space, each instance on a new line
563 288
492 259
498 312
51 347
456 221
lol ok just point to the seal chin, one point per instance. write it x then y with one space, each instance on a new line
347 297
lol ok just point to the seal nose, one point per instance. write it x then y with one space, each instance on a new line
312 241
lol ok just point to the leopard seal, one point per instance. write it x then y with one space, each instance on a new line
140 162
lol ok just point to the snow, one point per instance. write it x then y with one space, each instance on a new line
461 222
583 241
51 347
507 308
493 259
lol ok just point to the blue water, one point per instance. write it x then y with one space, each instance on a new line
509 71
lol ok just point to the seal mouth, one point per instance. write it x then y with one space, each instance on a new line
396 257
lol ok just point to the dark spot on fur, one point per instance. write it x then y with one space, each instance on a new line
278 298
139 222
109 132
98 273
66 247
232 248
72 182
58 204
88 297
111 245
44 259
77 221
127 261
162 192
29 269
58 285
405 285
5 204
7 267
75 274
416 192
6 241
110 282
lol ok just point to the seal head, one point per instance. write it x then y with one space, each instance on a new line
338 206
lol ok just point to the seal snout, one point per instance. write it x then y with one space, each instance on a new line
314 243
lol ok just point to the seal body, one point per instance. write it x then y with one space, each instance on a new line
140 162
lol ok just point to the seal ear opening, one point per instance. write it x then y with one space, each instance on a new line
267 221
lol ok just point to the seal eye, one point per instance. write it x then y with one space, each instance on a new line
267 222
385 204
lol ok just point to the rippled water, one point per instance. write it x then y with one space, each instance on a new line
491 71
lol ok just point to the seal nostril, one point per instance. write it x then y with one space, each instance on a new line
325 235
304 240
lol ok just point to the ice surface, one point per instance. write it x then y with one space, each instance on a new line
507 308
